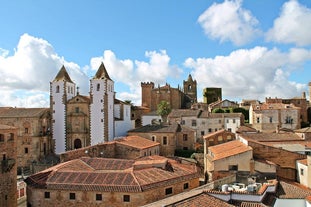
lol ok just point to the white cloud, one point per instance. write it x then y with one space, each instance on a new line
255 73
228 21
293 25
30 69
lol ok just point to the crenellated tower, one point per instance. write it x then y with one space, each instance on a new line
146 92
62 88
101 107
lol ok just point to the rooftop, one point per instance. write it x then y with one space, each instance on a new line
117 175
136 142
228 149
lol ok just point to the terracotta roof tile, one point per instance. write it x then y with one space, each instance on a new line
22 112
228 149
201 200
291 190
137 142
104 174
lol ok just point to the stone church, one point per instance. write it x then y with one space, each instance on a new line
176 97
78 120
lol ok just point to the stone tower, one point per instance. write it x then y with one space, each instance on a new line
101 107
190 88
146 93
62 88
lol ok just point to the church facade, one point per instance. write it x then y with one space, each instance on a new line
79 121
177 98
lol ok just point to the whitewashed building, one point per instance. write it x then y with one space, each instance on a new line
108 117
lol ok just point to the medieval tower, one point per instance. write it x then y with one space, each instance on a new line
190 88
62 88
101 107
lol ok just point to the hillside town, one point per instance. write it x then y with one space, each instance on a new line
172 150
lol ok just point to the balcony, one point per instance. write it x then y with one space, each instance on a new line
7 165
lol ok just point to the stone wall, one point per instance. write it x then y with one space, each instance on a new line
36 197
285 160
8 167
107 150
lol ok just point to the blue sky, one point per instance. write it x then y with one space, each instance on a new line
252 49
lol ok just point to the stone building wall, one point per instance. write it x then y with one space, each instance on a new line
36 197
285 160
8 152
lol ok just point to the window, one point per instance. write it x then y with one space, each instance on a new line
209 130
153 138
194 122
186 186
270 119
72 196
258 120
202 133
233 168
126 198
47 195
233 121
301 171
185 137
11 137
164 140
26 150
229 137
98 87
182 122
168 191
219 121
57 89
99 197
1 138
215 129
77 109
220 139
288 120
229 129
227 121
26 130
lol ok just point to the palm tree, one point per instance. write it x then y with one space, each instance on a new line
164 109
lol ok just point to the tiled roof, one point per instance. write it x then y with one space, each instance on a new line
243 129
157 128
214 133
269 137
110 175
184 112
201 200
137 142
304 161
6 112
227 149
290 190
273 106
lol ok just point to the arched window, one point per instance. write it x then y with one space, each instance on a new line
57 89
77 144
98 87
189 87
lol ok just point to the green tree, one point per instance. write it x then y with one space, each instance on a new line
164 109
243 111
218 110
